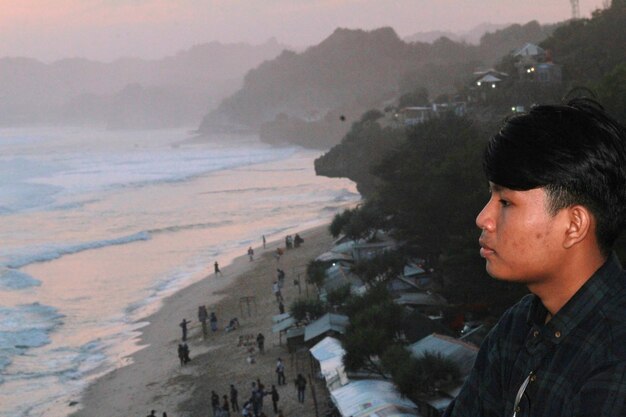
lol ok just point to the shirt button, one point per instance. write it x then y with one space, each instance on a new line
533 378
557 334
536 333
518 409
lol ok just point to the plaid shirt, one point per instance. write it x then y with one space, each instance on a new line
574 365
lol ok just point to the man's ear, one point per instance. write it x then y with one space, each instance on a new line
580 226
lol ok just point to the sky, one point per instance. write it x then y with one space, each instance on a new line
105 30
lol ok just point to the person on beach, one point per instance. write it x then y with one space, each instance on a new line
260 342
234 403
276 291
280 372
183 326
297 241
301 387
557 182
213 321
216 268
215 403
281 307
225 406
280 276
251 253
203 316
278 254
152 413
246 410
186 358
181 354
263 241
275 398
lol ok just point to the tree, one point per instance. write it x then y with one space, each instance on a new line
417 97
316 273
299 309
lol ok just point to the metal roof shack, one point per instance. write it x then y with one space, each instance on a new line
325 324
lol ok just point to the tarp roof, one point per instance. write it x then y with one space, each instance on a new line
364 397
421 298
283 325
329 321
334 256
280 317
489 79
530 49
461 353
329 354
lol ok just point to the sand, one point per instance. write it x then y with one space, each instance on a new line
155 379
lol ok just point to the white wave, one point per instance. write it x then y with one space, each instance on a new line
52 253
11 279
24 327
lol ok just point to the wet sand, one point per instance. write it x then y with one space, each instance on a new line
156 381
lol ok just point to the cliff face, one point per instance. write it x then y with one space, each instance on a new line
349 67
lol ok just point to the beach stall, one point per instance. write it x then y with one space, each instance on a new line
374 398
329 355
328 324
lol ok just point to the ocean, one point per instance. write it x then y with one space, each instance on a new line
97 227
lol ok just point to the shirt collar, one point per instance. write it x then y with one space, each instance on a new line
600 286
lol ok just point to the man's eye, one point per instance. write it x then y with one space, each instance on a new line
504 203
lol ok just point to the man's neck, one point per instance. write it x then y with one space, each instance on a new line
557 291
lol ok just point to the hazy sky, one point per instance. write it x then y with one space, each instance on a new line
109 29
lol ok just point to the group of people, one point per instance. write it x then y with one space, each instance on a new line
252 407
293 242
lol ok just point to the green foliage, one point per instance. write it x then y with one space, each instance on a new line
417 97
612 92
372 331
382 267
376 294
362 147
371 116
432 185
316 273
299 309
339 296
357 223
418 376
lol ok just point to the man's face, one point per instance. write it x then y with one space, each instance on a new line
520 240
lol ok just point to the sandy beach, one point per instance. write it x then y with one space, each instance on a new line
155 380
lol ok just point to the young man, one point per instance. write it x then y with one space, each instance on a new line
557 177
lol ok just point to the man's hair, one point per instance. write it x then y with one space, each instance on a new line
576 151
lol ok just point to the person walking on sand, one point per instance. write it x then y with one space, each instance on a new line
213 321
275 398
280 371
251 253
263 241
216 268
276 291
152 413
183 326
234 404
281 307
260 342
301 386
186 358
215 403
225 406
181 354
203 316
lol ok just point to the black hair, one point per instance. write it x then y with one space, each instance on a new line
575 151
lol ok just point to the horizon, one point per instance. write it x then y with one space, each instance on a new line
106 31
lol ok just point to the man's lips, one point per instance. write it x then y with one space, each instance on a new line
485 250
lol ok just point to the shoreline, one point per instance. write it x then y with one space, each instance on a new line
154 378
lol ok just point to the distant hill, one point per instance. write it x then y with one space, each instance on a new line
291 97
127 93
471 36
